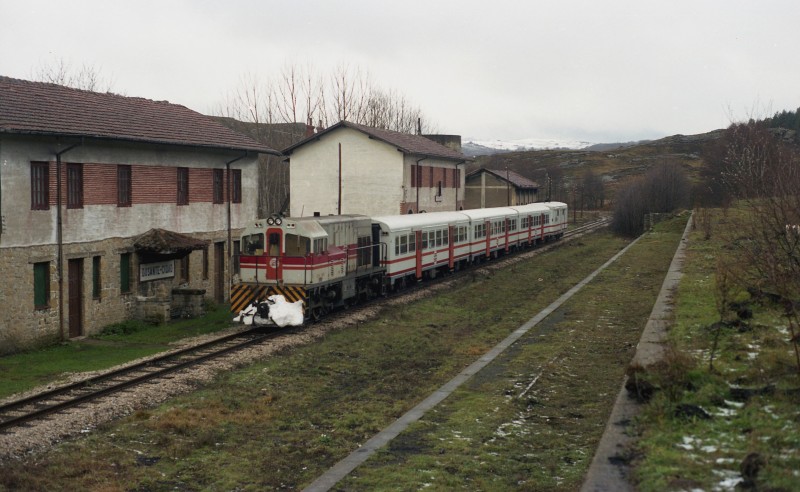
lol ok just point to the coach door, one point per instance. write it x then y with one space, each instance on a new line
274 251
75 285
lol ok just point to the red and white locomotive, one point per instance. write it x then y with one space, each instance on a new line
331 261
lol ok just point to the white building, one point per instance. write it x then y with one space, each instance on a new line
355 169
113 207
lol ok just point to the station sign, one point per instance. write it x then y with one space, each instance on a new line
155 271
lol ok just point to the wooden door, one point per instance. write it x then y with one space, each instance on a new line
75 286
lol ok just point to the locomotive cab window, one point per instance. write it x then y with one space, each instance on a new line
274 244
320 245
253 244
297 245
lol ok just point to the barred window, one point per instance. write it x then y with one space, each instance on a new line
124 186
183 186
40 186
74 186
217 185
236 185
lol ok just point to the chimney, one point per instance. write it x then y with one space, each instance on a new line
309 127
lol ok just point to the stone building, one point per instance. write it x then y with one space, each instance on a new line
487 188
113 207
355 169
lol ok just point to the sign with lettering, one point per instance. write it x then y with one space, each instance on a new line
155 271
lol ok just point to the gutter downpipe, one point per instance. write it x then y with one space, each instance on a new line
418 178
60 239
458 184
228 193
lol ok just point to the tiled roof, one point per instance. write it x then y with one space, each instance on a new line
38 108
515 179
406 142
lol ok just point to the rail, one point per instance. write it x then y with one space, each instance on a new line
40 405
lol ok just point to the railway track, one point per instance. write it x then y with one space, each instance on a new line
19 412
22 411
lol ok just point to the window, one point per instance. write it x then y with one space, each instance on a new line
125 273
40 186
205 263
364 251
236 185
430 169
237 252
320 245
185 269
439 191
123 186
74 186
96 280
183 186
253 244
414 175
461 234
41 285
405 244
217 185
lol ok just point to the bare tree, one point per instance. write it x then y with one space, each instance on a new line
85 77
764 174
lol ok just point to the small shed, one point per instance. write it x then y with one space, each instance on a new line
486 188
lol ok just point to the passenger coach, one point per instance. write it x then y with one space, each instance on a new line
330 261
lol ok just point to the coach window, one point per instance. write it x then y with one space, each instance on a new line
412 243
425 240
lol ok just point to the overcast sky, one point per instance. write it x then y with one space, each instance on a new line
599 71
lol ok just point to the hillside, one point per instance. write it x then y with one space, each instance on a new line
614 166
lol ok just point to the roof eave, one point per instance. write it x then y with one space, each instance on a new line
258 150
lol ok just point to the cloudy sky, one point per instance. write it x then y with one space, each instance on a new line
598 71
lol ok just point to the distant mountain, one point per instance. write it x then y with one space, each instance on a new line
474 147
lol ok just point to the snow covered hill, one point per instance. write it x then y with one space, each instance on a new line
473 146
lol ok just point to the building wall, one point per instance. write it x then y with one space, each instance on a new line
372 175
102 229
154 192
427 195
377 179
485 190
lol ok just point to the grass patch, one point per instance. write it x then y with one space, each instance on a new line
280 423
751 396
117 344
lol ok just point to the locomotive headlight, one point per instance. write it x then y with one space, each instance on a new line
270 221
278 221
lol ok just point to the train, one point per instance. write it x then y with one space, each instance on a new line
329 262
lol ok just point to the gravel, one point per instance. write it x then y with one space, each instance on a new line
40 435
